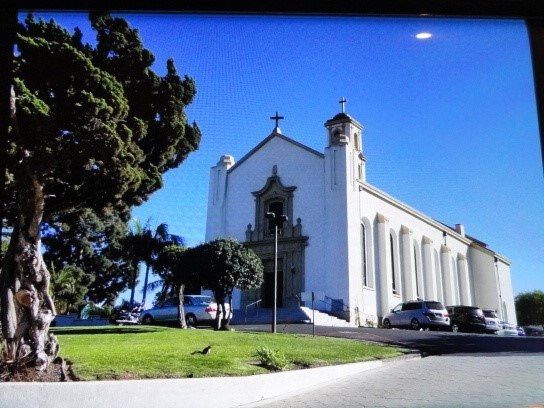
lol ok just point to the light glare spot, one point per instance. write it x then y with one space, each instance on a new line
423 36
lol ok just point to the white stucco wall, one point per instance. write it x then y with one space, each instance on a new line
332 203
296 167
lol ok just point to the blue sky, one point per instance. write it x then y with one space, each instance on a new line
450 123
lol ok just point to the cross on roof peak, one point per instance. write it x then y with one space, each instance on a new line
277 118
343 102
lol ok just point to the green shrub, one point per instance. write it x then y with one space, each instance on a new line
272 359
104 312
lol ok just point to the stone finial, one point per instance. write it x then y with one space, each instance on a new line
275 169
426 240
226 160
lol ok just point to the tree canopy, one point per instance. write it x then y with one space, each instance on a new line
91 127
96 126
223 265
530 308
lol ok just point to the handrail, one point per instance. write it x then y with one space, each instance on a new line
248 306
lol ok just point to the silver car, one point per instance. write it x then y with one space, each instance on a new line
491 321
199 309
418 314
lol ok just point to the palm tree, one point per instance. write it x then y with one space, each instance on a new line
143 245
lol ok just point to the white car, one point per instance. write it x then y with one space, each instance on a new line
199 309
507 329
491 321
418 314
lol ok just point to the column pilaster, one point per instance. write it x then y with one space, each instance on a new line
384 271
408 278
428 273
464 289
447 277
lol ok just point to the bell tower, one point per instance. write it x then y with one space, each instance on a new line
344 173
343 130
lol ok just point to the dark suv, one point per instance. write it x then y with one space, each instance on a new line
466 318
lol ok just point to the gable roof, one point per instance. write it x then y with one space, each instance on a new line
266 140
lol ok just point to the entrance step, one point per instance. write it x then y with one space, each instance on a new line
287 315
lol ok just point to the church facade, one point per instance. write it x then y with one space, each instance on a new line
362 250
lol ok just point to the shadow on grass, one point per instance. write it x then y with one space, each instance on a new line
105 330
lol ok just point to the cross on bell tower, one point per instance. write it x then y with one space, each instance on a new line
343 102
277 118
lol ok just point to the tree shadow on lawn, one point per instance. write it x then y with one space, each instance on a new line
106 330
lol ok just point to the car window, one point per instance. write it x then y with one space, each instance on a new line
397 308
435 305
201 300
412 306
490 313
169 303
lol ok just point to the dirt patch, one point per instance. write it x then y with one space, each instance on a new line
57 371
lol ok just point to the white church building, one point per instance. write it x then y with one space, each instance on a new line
363 249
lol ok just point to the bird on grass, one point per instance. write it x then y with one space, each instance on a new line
203 352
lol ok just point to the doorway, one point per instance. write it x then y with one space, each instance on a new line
267 290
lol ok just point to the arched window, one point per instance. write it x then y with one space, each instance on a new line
356 141
364 267
394 283
415 269
277 208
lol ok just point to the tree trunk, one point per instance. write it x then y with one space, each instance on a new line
145 284
134 278
220 300
26 308
181 310
226 314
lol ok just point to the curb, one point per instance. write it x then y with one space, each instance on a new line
165 393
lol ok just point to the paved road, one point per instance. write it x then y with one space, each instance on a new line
478 380
461 370
428 342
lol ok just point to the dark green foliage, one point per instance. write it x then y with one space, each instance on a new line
223 265
68 287
96 125
92 243
530 308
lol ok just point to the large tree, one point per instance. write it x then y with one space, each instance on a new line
91 242
530 308
225 264
91 127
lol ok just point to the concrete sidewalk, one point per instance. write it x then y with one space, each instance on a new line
165 393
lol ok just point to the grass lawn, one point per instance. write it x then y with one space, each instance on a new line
110 352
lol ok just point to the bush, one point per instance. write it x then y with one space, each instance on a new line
272 359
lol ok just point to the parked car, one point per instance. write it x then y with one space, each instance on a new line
521 331
533 331
418 314
491 321
199 309
466 318
507 329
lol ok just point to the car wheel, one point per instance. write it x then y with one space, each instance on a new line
386 324
455 327
414 324
148 319
190 319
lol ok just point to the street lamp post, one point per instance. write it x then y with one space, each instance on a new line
277 222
